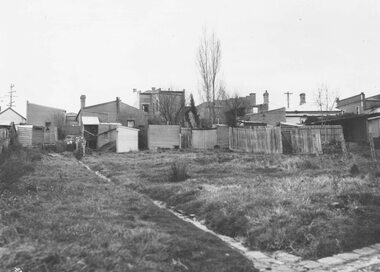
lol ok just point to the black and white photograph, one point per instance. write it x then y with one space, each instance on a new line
189 136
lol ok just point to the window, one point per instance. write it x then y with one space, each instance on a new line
357 110
47 125
131 123
145 107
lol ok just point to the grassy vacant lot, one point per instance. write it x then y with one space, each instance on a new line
57 216
309 206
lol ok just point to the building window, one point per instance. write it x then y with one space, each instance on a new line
145 107
131 123
357 110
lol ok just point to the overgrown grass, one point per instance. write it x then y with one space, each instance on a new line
16 162
64 218
310 206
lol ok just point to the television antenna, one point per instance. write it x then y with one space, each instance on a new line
11 96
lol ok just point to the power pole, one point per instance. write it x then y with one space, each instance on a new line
11 96
287 97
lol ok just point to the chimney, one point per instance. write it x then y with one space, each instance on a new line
82 101
362 102
153 89
266 98
302 98
252 99
117 108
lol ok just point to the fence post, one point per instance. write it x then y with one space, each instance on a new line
372 146
343 145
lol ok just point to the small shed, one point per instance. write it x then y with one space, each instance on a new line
126 139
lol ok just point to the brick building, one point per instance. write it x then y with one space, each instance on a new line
162 106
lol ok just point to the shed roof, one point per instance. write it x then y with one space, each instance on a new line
90 120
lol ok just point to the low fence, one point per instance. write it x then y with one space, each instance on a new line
256 140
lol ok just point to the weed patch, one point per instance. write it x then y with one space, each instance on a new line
307 205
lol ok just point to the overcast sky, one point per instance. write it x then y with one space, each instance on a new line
54 51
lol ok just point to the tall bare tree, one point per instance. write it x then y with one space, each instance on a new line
209 61
171 107
325 99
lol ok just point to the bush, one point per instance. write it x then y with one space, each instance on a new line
179 171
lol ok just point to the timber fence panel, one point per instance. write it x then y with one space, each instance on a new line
186 137
222 137
204 139
256 140
163 136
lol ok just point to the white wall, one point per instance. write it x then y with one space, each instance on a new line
126 139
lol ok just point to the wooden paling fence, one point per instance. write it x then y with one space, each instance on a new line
203 138
4 139
309 139
306 141
256 140
185 137
328 133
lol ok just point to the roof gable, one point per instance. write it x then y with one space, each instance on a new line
9 108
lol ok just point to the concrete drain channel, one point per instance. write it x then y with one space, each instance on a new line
358 260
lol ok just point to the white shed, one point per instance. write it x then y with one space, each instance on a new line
127 139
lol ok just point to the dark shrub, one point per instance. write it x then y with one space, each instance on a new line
179 171
354 170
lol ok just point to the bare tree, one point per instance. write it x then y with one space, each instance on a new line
209 61
325 99
171 107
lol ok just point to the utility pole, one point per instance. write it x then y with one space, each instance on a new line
287 97
11 96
